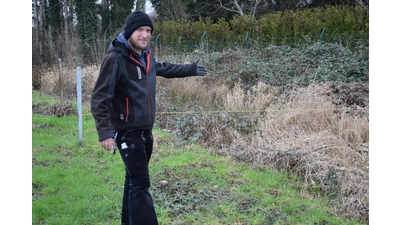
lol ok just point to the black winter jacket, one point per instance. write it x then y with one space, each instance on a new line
124 95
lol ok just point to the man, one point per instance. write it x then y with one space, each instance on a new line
123 104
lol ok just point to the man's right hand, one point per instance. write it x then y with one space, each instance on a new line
107 144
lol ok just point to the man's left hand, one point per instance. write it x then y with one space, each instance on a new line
201 70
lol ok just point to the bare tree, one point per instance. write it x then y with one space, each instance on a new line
254 8
241 7
232 7
363 3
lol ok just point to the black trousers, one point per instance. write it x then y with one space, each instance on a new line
135 147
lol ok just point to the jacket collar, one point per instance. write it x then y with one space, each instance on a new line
121 38
121 44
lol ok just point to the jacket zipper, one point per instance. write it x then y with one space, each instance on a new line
147 86
148 61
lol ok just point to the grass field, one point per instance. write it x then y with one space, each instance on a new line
80 183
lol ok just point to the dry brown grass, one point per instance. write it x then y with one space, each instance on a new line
238 99
51 83
185 93
307 134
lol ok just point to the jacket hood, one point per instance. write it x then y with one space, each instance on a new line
121 39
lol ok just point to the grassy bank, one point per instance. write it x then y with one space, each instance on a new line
80 183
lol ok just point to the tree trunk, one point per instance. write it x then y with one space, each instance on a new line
37 28
66 22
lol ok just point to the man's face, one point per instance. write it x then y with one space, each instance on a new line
140 38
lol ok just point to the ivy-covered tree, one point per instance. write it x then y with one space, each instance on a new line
37 40
120 9
105 18
171 9
87 28
53 23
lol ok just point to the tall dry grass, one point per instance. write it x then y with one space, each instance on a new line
53 81
304 132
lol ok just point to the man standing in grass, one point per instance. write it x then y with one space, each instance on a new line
123 106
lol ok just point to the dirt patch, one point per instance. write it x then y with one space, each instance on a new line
351 94
59 109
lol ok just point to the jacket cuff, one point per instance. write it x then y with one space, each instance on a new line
106 134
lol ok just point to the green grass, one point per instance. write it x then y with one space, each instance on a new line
80 183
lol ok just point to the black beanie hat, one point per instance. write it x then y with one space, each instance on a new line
135 20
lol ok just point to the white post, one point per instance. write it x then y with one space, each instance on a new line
79 101
61 81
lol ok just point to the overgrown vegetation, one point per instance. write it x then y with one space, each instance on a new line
301 110
75 183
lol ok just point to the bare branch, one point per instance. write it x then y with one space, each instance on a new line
254 9
236 8
360 2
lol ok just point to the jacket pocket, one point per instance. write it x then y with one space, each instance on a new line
136 74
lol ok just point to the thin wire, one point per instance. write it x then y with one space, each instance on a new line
254 111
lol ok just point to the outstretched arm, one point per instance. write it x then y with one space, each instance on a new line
169 70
